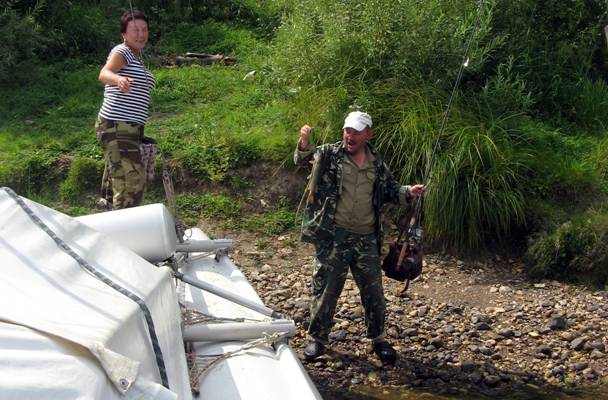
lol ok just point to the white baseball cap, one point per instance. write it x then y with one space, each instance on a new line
357 120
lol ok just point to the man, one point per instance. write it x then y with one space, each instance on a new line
348 186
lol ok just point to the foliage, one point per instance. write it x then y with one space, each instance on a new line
215 159
472 170
18 54
84 176
576 250
208 37
524 140
273 222
230 212
191 206
398 60
32 172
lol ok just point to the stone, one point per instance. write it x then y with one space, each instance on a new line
557 323
578 366
596 354
410 332
491 380
544 349
594 345
468 366
436 341
589 373
482 326
568 336
578 343
504 290
449 329
338 336
392 332
422 311
475 377
506 332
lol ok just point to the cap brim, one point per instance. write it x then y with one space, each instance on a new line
356 125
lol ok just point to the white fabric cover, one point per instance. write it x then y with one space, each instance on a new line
258 373
66 335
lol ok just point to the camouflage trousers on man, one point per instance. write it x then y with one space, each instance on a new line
124 176
360 254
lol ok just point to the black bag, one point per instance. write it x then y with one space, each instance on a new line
404 259
410 266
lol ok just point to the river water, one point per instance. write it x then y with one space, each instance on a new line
368 393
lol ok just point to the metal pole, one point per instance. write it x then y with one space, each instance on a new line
262 309
202 246
237 330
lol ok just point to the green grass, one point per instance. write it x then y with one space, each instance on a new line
230 212
520 153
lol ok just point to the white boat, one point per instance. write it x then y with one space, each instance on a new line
85 314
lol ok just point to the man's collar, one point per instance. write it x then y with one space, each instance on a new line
370 151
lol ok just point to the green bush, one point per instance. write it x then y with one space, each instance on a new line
599 159
208 37
84 176
21 44
576 250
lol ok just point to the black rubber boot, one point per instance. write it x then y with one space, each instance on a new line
385 352
313 350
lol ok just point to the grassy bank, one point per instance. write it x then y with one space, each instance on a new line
523 152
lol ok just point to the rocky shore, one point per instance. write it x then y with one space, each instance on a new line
465 328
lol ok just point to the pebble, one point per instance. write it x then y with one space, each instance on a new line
523 337
504 290
579 366
544 349
422 311
506 332
338 336
482 326
577 344
557 323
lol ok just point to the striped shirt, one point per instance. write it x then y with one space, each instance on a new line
133 105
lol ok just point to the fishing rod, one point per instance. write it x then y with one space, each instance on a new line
404 260
426 177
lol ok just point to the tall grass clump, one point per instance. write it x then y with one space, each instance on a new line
472 170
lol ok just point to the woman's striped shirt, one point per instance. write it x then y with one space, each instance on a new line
133 105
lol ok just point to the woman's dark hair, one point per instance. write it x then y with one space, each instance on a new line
128 16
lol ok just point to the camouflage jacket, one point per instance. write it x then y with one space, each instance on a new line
325 186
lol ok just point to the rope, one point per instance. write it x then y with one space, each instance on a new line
201 364
100 276
191 316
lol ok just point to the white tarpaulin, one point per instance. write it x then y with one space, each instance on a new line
66 334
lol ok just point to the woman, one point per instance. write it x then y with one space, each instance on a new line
123 114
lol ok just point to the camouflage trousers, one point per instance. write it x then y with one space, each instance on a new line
124 176
360 254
